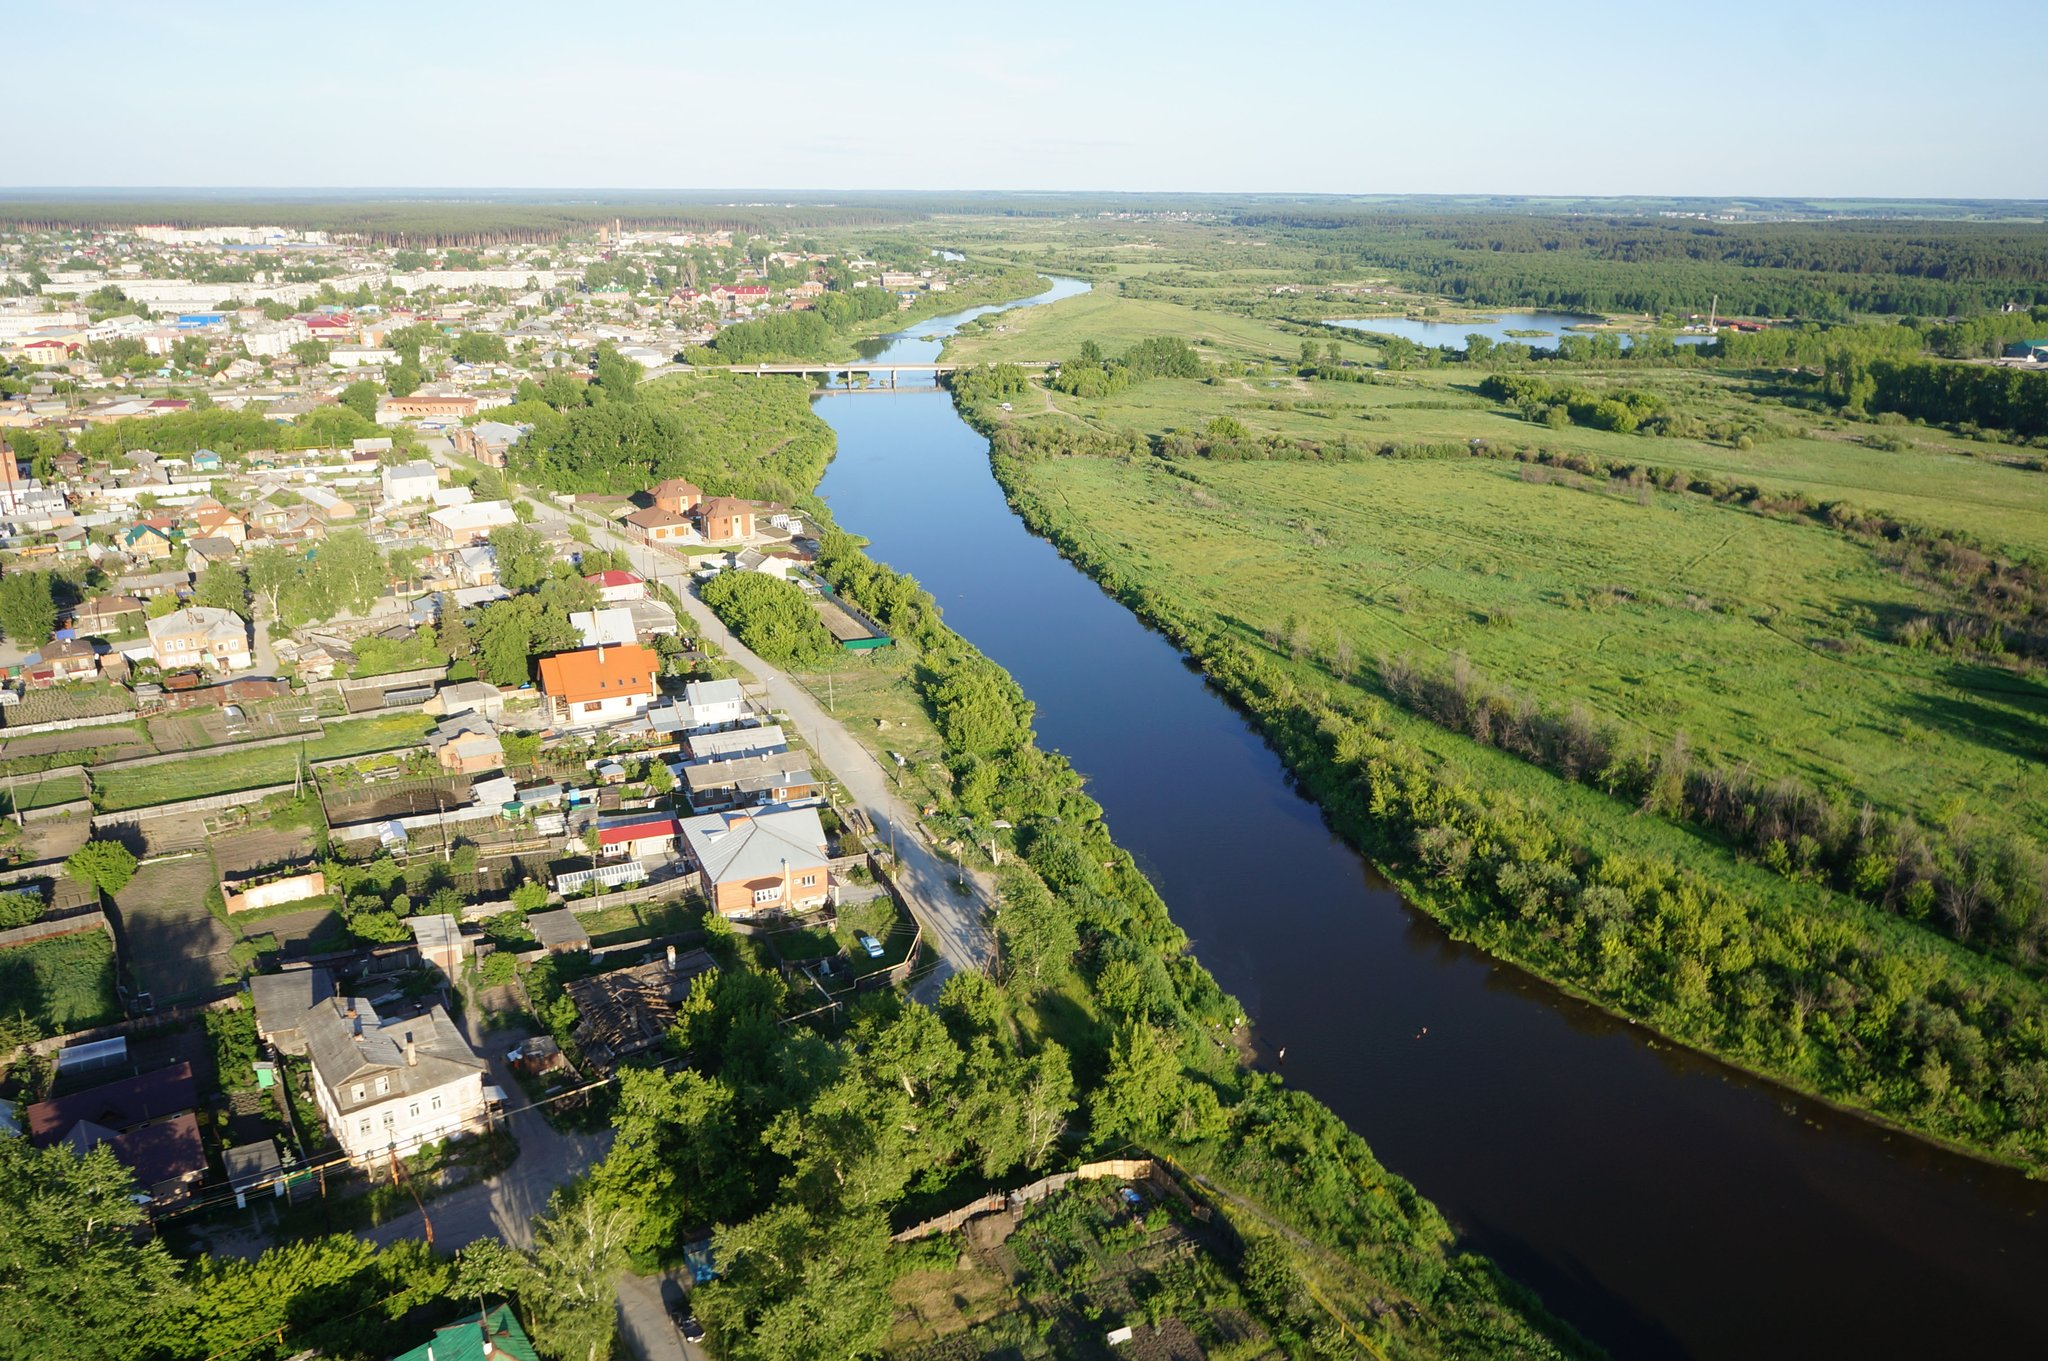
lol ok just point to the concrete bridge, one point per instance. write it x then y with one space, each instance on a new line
827 372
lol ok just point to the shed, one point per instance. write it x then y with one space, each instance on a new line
558 931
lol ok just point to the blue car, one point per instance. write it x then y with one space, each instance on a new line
871 945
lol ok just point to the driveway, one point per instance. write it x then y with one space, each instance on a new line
645 1324
952 920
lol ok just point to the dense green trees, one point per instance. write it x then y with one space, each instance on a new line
75 1280
1934 390
1092 375
345 573
749 437
481 347
773 617
28 610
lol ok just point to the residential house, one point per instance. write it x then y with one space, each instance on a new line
149 585
677 496
558 932
607 628
652 524
281 1001
639 837
488 442
469 697
107 616
467 744
215 521
403 482
731 744
441 943
599 684
66 659
149 1122
201 554
617 587
200 635
726 519
328 505
496 1336
712 704
392 1086
758 862
205 461
749 782
149 541
457 526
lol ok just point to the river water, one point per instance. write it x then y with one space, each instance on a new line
1453 333
1664 1205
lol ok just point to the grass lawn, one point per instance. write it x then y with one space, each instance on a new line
227 772
37 791
641 921
62 984
871 693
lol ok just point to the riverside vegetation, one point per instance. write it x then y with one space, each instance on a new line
1613 661
805 1143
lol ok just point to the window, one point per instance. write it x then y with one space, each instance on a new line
366 1129
808 881
767 895
415 1111
390 1119
356 1092
437 1101
383 1085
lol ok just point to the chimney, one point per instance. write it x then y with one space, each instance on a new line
412 1052
671 959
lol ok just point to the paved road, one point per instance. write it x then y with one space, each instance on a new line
953 921
645 1324
503 1207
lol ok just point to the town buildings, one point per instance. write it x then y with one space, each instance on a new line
200 635
389 1087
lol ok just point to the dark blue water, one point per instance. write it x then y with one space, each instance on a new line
1664 1205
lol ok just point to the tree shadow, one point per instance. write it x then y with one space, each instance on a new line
1989 707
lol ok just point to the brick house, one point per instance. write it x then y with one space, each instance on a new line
599 685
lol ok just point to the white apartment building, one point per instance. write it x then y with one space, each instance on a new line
275 338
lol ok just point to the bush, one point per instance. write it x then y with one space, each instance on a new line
771 617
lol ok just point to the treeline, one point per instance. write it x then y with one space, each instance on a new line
228 432
1981 886
1094 375
1844 1001
1817 270
1987 396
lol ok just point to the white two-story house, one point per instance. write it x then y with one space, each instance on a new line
392 1086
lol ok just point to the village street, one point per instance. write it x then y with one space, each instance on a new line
950 902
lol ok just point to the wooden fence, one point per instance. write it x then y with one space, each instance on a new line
50 928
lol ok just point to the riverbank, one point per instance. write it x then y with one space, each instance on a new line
1408 794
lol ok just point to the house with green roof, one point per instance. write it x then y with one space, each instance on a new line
496 1336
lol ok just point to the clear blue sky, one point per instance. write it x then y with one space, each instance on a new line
1878 99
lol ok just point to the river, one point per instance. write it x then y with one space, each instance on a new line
1663 1204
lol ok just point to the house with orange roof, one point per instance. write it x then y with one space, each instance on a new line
598 685
677 496
726 519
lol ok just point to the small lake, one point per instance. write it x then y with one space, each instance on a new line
1453 333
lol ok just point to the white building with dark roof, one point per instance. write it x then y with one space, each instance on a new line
392 1086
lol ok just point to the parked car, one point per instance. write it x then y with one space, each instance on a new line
686 1323
870 944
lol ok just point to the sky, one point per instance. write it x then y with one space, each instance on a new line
1878 99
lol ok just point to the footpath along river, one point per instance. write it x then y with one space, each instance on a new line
1666 1206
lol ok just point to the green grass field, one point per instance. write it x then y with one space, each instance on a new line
1675 615
62 984
1945 482
228 772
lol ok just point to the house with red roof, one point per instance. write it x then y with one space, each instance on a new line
616 587
637 838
